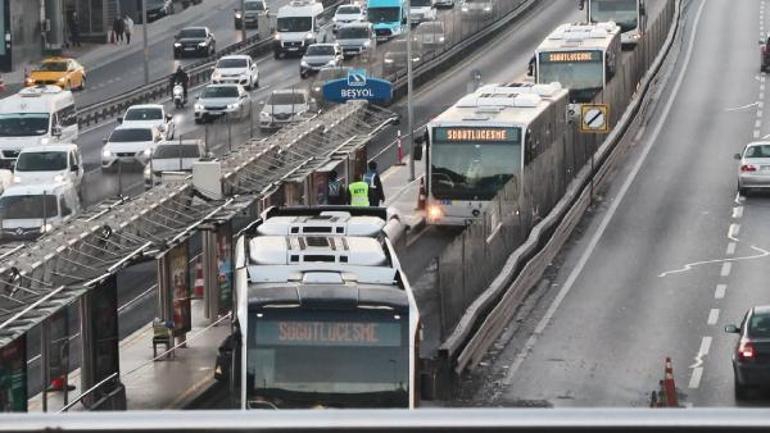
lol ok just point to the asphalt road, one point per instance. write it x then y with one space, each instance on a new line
669 256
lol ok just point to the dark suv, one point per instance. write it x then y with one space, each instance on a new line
197 41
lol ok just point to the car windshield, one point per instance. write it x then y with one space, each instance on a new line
294 24
23 124
220 92
130 135
192 33
320 50
254 6
348 10
36 206
232 63
758 151
176 151
42 161
421 3
296 98
53 67
144 114
353 33
383 15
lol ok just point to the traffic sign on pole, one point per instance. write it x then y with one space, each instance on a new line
594 118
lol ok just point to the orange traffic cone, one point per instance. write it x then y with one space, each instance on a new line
421 196
198 284
669 386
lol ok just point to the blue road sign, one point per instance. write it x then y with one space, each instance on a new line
358 86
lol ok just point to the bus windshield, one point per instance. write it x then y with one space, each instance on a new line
623 12
360 358
472 170
383 15
577 71
23 124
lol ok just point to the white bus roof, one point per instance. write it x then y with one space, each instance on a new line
300 8
325 223
568 37
515 104
38 99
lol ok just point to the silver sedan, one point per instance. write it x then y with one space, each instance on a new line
754 171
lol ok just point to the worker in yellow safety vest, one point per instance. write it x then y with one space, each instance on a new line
359 194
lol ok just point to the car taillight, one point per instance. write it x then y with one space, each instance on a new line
746 351
748 167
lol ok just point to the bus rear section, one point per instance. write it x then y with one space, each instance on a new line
628 14
483 142
326 316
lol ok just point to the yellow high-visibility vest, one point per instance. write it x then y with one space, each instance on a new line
359 194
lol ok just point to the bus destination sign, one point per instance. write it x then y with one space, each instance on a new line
476 135
571 57
328 333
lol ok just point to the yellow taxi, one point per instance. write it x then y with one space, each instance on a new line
58 71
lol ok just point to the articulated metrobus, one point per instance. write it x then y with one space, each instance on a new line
325 317
486 139
582 57
628 14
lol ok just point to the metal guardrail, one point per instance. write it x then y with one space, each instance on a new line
199 73
488 315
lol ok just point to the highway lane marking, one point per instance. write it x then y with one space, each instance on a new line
726 268
697 375
690 266
759 113
758 123
738 212
756 133
719 293
732 232
713 316
578 269
730 249
705 346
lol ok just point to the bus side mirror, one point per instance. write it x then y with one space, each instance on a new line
56 131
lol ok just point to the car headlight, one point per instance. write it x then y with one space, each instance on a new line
316 89
58 178
45 228
441 39
216 76
16 179
308 35
435 213
106 153
464 9
331 62
304 64
177 44
277 37
147 152
387 60
202 44
232 106
44 141
487 8
335 19
29 81
147 172
198 107
238 15
264 115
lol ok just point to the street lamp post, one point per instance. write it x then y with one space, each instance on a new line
409 89
145 49
243 21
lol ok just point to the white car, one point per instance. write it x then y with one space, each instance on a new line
53 163
217 100
285 106
28 211
149 116
236 69
347 14
129 145
422 10
172 156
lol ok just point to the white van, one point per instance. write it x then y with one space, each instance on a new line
36 116
297 27
28 211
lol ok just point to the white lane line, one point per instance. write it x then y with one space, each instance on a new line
756 133
713 316
705 346
732 232
758 123
719 293
578 269
726 268
697 375
730 249
738 212
759 113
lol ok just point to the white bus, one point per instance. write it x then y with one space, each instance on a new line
628 14
582 57
484 141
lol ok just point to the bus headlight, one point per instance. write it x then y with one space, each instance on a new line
435 213
45 228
